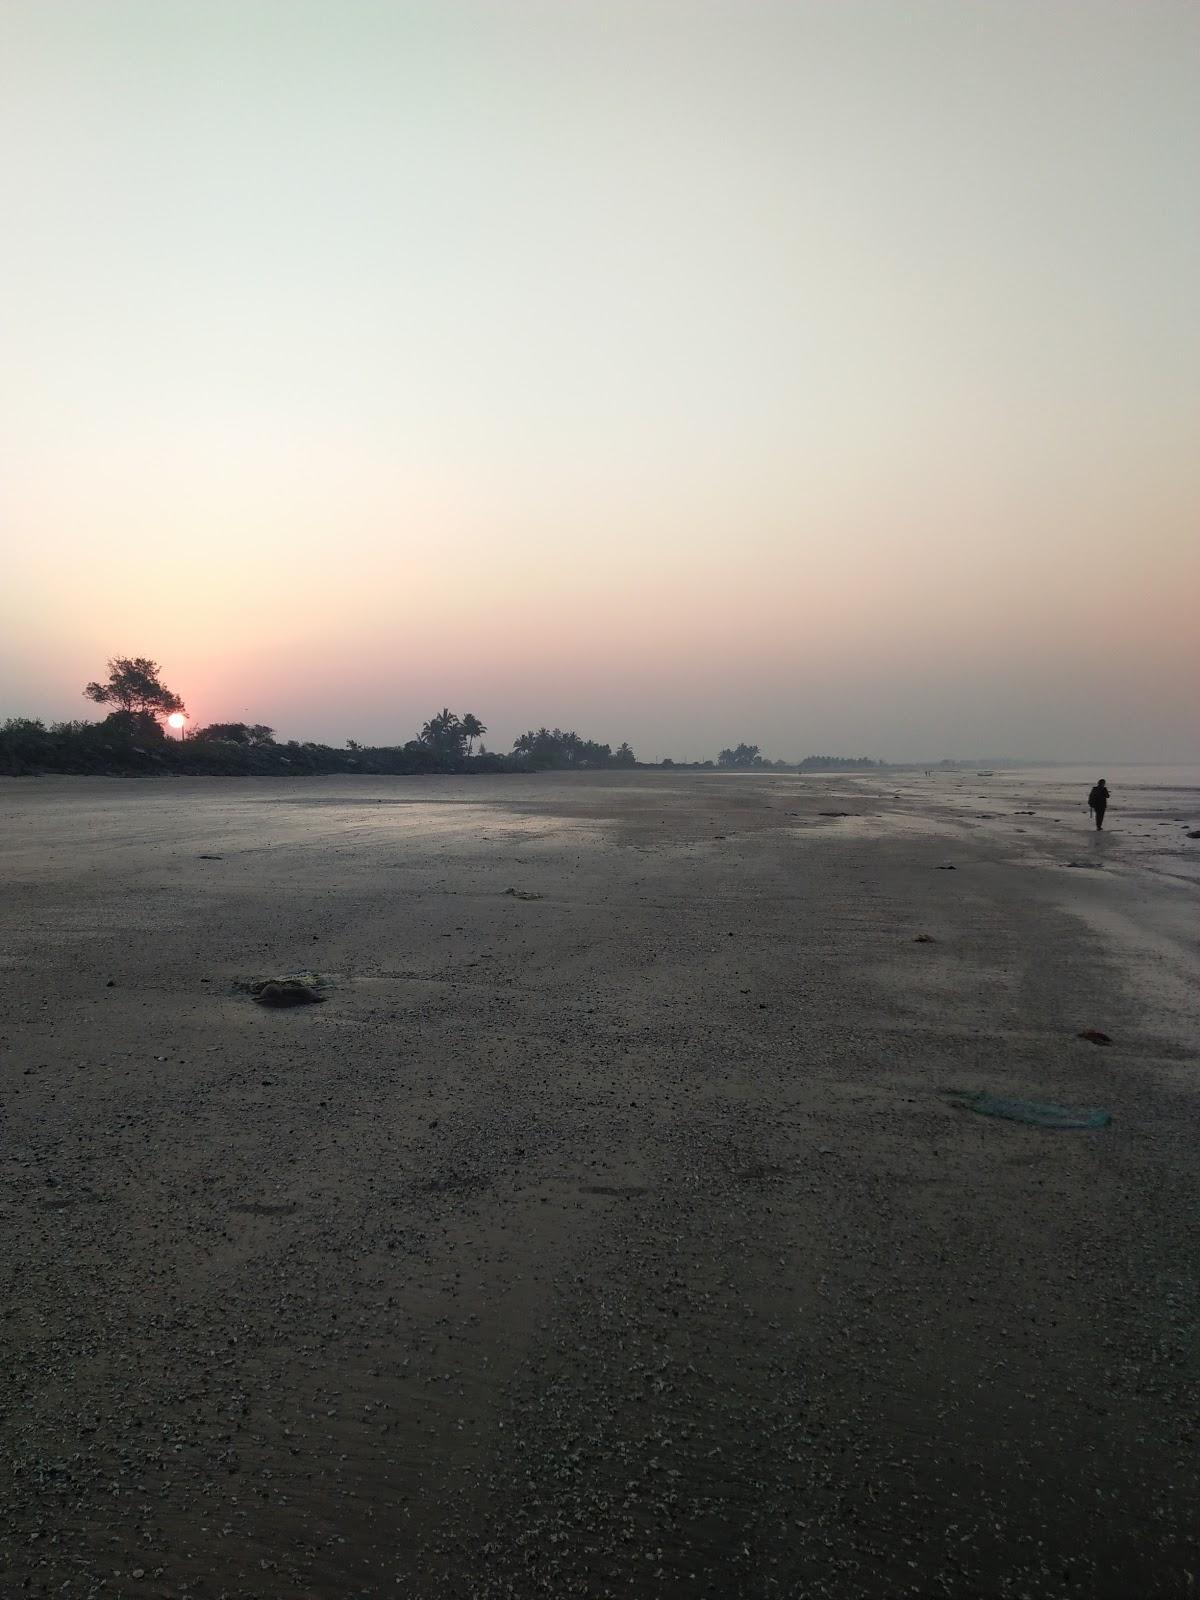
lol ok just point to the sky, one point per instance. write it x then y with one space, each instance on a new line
820 375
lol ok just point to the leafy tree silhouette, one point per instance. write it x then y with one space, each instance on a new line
136 690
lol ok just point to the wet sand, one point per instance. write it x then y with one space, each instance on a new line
610 1238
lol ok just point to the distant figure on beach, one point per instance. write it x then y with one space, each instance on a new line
1098 801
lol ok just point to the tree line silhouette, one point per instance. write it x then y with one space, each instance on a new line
132 738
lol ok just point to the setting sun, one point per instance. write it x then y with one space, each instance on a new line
176 719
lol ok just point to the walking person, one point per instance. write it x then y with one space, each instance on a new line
1098 802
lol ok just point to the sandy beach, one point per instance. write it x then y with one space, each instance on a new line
608 1229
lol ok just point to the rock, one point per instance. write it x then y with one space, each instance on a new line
287 989
924 938
1094 1035
286 992
1194 833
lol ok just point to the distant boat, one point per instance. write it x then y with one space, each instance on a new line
985 774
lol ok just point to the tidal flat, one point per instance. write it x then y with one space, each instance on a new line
607 1228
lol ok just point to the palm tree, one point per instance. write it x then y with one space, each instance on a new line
471 729
443 733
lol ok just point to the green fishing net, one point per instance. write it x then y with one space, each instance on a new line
1038 1114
